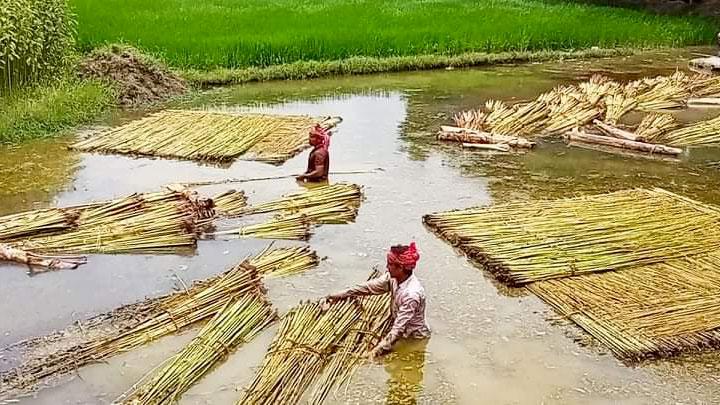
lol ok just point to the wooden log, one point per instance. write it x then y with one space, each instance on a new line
616 132
466 135
624 152
14 254
488 146
578 136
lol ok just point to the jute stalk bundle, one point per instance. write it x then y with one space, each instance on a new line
284 144
290 227
230 203
311 341
158 222
617 105
366 333
568 107
350 194
161 316
522 242
654 126
701 133
648 311
45 221
200 135
238 322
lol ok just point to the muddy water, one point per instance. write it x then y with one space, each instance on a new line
488 346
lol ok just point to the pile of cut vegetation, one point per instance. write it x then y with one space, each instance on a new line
139 79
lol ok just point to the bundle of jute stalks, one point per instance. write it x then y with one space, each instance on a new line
230 203
236 323
162 316
523 242
206 135
654 126
700 133
349 194
318 347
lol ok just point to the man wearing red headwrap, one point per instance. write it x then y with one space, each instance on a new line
319 160
408 297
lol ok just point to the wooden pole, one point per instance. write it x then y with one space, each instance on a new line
465 135
489 146
579 136
617 132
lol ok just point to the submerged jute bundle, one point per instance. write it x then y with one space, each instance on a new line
206 135
238 322
318 348
642 312
599 98
161 316
522 242
159 222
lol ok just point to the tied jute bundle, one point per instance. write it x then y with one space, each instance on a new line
318 348
161 316
206 135
528 241
643 312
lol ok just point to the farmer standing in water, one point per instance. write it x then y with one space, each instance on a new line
408 297
319 160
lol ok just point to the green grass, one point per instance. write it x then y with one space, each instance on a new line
206 34
44 110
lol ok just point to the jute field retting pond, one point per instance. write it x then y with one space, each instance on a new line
491 343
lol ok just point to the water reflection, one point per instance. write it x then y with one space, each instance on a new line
405 366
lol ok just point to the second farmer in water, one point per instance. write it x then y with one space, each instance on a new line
319 160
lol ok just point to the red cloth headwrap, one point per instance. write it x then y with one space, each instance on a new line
320 132
407 259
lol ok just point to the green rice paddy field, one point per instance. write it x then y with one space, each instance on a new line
211 34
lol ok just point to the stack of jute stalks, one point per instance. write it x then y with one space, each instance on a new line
318 348
700 133
567 108
238 322
332 204
230 203
283 145
162 316
643 312
522 242
205 135
160 222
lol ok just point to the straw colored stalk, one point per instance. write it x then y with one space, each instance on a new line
663 92
617 105
195 135
165 315
237 323
522 242
366 333
290 227
152 223
30 223
656 310
700 133
230 203
654 126
348 193
705 85
312 340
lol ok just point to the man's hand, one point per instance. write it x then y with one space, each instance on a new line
373 354
301 177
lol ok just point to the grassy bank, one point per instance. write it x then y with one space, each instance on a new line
368 65
257 33
42 111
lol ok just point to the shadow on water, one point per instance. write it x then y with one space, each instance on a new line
488 345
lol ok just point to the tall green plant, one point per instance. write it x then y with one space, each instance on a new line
36 40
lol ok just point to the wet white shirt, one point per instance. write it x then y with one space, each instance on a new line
407 308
